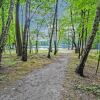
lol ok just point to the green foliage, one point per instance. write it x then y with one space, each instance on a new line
42 12
94 88
3 77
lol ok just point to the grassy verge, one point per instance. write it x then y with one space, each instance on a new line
78 88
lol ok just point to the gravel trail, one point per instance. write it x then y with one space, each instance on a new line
41 84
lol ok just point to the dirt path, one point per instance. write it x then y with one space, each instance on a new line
42 84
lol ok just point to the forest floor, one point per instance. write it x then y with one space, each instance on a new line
49 79
78 88
41 84
14 69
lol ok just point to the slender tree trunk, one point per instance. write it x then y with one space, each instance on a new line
68 41
37 36
3 22
98 63
72 44
6 29
79 46
9 45
55 38
73 29
86 32
98 51
86 29
30 43
36 51
51 36
22 20
18 36
87 49
26 31
83 29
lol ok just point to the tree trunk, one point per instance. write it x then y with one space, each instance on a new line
87 49
86 29
37 34
55 38
98 63
30 43
3 22
79 46
22 20
68 41
50 43
73 29
6 29
83 29
18 36
9 45
26 31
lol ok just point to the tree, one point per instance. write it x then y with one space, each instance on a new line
98 63
73 28
3 22
4 34
54 20
56 30
2 7
87 49
26 31
18 36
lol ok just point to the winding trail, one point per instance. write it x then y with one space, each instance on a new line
41 84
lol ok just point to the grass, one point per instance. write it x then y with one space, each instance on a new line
92 88
78 88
